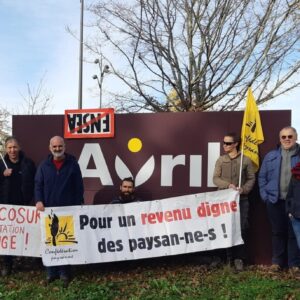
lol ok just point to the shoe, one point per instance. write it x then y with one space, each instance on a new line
50 279
275 268
215 262
66 281
229 262
6 271
295 272
238 265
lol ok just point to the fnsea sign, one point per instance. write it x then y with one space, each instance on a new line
89 123
168 154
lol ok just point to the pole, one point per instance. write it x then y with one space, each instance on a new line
3 161
100 86
80 57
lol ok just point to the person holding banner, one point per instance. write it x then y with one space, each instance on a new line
226 176
58 182
273 179
127 194
16 183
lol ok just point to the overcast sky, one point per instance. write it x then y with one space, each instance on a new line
35 43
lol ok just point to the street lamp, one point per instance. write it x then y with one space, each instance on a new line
103 70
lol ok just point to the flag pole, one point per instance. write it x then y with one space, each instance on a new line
241 164
6 167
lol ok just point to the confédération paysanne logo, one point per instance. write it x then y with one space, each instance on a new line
59 230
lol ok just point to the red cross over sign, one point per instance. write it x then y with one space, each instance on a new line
89 123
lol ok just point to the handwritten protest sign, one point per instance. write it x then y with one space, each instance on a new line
20 232
104 233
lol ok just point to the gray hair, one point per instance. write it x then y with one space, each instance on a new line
289 127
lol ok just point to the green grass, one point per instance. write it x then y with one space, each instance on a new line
151 280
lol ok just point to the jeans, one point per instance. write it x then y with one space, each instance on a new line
284 244
7 261
296 227
58 271
239 251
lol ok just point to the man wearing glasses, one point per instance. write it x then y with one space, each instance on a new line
273 179
226 176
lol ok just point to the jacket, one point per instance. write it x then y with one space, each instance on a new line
62 187
293 198
120 200
7 184
227 171
269 174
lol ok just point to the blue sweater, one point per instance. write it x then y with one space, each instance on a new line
62 187
269 174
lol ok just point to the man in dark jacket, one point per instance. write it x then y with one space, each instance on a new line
58 182
274 177
16 183
293 201
127 194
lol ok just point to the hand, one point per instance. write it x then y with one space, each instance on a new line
240 190
232 186
40 206
7 172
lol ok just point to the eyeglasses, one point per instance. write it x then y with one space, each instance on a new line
228 143
286 137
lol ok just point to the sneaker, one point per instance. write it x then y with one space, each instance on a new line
6 271
238 265
275 268
215 262
295 272
50 279
66 281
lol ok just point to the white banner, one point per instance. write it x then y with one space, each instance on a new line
104 233
20 231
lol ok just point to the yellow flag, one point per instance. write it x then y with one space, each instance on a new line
252 133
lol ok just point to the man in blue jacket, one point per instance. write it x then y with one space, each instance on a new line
273 179
58 182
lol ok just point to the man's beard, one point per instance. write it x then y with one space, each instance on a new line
57 154
127 197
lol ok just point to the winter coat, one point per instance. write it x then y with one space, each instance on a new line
63 187
119 200
27 171
269 174
293 198
227 171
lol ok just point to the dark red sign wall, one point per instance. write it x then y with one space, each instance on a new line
176 156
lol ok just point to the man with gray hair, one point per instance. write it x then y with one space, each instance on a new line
16 184
273 179
58 182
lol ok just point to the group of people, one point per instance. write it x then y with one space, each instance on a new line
279 186
58 182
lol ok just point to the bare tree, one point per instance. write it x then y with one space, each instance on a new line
36 101
5 126
205 53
